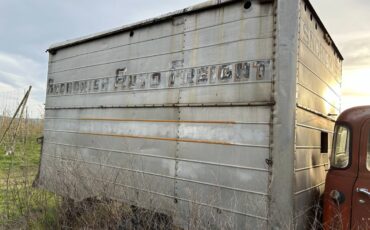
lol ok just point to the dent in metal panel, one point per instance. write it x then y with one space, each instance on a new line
307 179
310 158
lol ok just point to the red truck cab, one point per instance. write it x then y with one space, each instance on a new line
347 188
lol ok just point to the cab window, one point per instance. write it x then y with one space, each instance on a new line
340 156
368 153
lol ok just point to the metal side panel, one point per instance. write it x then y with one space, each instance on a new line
319 67
161 27
199 35
232 177
317 95
140 66
174 117
197 38
82 165
281 207
310 164
127 53
152 32
314 38
230 13
318 103
168 113
305 215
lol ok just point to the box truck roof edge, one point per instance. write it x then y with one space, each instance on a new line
198 7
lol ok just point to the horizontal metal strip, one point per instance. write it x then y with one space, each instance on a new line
329 71
160 138
161 37
162 157
156 89
173 197
158 175
310 167
160 54
327 84
318 95
326 116
157 121
222 104
315 128
308 189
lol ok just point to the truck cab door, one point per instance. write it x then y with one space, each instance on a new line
361 190
341 178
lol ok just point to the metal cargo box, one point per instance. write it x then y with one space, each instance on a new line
221 111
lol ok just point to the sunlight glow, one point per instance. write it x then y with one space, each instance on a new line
355 87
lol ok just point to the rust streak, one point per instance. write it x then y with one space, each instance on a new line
161 138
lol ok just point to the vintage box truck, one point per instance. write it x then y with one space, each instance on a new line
222 112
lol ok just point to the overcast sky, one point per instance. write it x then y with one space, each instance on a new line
28 27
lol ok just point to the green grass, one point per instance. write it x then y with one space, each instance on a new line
26 154
21 205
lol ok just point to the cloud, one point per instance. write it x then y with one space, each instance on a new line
16 74
21 70
357 52
25 34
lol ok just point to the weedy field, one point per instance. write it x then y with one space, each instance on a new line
21 205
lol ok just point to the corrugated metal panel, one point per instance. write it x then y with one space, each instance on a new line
318 98
174 116
204 114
